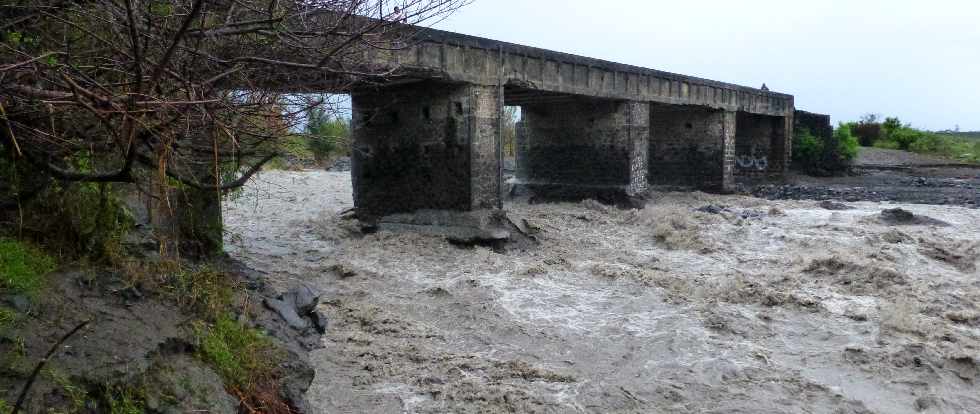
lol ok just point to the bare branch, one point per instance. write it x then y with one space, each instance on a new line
195 10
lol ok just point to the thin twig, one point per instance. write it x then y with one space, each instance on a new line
40 365
28 62
10 131
195 10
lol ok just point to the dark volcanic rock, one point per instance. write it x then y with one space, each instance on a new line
900 217
287 311
295 306
305 299
342 164
181 383
831 205
20 303
950 186
897 216
713 209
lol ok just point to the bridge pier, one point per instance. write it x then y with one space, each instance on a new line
426 146
762 144
581 148
692 146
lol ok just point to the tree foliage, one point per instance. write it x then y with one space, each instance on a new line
177 94
867 130
171 85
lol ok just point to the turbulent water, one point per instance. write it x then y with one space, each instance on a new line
751 306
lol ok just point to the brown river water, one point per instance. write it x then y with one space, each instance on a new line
764 307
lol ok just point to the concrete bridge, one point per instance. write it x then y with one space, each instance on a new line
429 137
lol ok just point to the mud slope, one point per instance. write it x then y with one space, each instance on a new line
746 306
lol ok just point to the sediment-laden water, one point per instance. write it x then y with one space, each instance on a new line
748 306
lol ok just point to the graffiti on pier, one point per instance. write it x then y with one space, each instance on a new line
752 161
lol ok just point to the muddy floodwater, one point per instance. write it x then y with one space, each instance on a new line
696 303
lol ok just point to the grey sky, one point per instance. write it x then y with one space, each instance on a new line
919 60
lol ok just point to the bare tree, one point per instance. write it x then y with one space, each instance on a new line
179 93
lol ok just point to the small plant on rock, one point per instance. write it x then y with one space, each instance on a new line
246 360
22 267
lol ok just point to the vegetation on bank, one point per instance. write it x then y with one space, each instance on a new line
86 225
824 155
893 134
245 358
23 267
89 225
326 137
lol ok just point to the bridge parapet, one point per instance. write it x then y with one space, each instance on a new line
462 58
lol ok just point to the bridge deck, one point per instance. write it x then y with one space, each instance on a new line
474 59
532 73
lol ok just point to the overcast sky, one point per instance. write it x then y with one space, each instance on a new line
918 60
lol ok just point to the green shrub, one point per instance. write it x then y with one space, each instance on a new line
241 355
23 267
847 143
889 127
896 135
329 135
822 156
322 147
960 149
868 130
79 219
807 149
929 144
904 138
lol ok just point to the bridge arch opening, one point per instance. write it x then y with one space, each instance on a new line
571 147
689 146
760 144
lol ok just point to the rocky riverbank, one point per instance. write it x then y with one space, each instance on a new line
879 186
149 343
